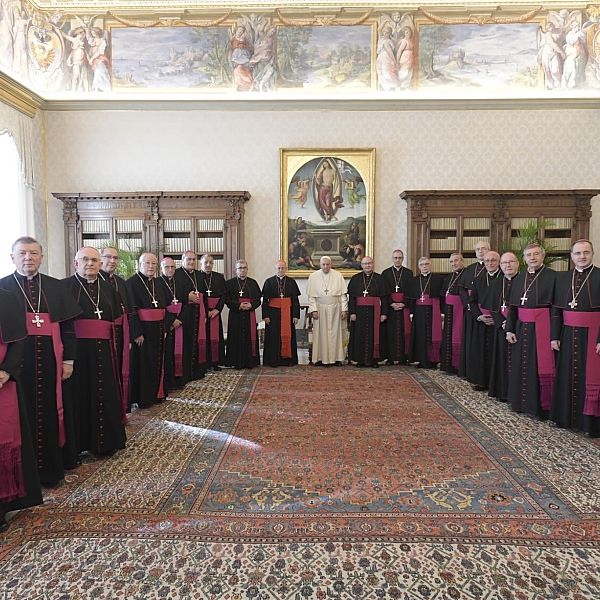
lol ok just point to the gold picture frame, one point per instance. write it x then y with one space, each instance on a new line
327 208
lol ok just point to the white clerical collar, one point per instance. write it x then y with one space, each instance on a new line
494 273
28 277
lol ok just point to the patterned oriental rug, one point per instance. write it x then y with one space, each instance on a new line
320 483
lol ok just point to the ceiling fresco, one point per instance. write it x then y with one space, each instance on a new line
62 51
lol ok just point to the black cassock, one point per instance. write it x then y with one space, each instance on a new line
242 351
361 345
13 331
524 384
396 349
497 302
176 307
95 384
120 286
421 335
273 288
146 381
450 288
479 366
212 285
39 372
568 399
186 282
465 286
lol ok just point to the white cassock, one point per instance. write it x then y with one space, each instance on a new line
328 295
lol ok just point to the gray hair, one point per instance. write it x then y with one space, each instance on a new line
26 239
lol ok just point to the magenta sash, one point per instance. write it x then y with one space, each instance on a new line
590 320
399 297
124 322
213 331
12 485
484 311
504 310
178 336
153 315
375 302
545 355
201 328
457 324
433 351
252 326
48 328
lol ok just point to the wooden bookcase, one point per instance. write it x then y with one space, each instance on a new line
443 222
165 223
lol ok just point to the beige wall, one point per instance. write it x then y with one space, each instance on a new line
196 150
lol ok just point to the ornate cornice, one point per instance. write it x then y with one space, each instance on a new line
18 96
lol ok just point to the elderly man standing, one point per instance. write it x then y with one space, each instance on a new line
110 261
188 281
466 287
576 335
426 336
243 298
328 304
174 339
453 317
497 303
531 376
212 285
280 311
148 332
50 348
95 384
397 326
368 305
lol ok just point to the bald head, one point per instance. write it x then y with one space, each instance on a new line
280 268
168 267
480 249
148 264
87 263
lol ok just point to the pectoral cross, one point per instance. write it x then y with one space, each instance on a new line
98 312
422 298
523 299
397 288
365 293
38 322
503 307
573 304
154 303
209 292
326 291
281 295
241 292
174 301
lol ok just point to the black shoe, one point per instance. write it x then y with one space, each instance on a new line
375 366
216 368
389 362
480 388
319 363
361 365
338 363
3 525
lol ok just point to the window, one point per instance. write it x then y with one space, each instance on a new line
11 201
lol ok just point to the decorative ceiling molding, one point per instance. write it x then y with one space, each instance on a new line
479 19
18 96
326 104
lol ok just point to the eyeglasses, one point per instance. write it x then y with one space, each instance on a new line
86 259
509 262
110 257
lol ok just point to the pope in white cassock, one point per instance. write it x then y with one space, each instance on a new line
328 303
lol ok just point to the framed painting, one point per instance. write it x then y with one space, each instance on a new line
327 206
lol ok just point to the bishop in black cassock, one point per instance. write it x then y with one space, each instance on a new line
243 298
212 285
426 293
148 328
576 328
95 384
453 317
397 325
479 365
497 302
189 281
19 480
368 307
174 339
50 349
280 311
531 375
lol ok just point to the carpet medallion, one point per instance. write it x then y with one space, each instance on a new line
324 483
